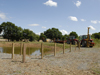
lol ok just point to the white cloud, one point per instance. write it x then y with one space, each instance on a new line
73 18
99 21
83 20
51 3
43 27
78 3
33 24
38 33
3 16
95 22
91 27
64 32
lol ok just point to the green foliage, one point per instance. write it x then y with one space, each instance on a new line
12 32
96 35
53 33
43 37
96 71
73 34
64 37
37 37
28 34
9 30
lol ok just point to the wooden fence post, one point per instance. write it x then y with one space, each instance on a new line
24 53
21 46
79 45
41 50
54 49
64 48
70 46
75 45
12 50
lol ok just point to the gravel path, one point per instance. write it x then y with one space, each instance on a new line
82 62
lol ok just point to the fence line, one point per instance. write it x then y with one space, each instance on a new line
23 50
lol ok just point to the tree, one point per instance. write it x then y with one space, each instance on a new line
53 33
73 34
28 34
64 37
13 32
43 37
96 35
17 34
8 29
37 37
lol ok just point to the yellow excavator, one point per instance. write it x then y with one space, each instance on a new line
86 41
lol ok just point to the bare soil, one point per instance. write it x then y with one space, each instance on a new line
77 62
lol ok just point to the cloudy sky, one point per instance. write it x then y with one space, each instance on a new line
40 15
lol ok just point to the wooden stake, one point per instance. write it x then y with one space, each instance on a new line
21 46
24 53
79 45
75 45
70 46
12 50
41 50
64 48
54 49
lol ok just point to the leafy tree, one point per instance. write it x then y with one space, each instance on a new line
73 34
53 33
17 34
64 37
43 37
12 32
28 34
96 35
37 37
8 29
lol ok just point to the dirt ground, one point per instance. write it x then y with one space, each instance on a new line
78 62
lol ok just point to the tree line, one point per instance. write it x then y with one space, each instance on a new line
96 35
13 32
54 33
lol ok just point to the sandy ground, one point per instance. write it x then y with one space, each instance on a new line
83 62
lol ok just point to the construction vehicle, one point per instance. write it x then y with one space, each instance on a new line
72 40
86 41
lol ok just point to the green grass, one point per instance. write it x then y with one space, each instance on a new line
96 71
57 44
60 45
97 43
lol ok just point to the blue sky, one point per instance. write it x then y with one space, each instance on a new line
40 15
